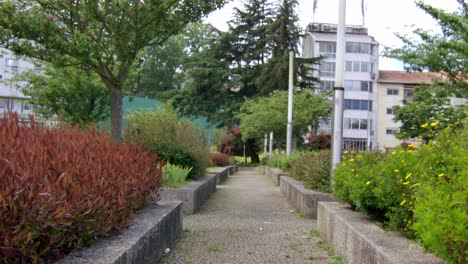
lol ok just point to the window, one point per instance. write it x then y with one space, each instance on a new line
355 144
408 93
357 66
356 47
391 131
391 110
362 86
355 123
392 91
353 104
1 77
326 85
327 69
327 48
11 62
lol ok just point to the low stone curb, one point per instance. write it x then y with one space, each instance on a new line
305 200
154 229
222 173
274 174
357 239
193 194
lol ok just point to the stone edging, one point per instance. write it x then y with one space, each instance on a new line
222 173
274 173
357 239
193 194
154 229
305 200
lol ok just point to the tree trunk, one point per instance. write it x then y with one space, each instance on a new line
116 103
252 150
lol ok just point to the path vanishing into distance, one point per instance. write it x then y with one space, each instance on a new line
247 220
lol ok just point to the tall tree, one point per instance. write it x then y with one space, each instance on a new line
445 52
103 36
79 97
162 68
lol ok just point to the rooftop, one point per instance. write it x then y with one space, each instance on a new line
332 28
407 77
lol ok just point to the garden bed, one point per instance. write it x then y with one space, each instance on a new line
357 239
192 194
304 200
154 229
274 173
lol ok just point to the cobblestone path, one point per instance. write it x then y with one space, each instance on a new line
247 220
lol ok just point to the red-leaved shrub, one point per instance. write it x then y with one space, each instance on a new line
61 188
219 159
319 141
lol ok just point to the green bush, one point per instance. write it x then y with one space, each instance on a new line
174 176
421 193
176 141
312 168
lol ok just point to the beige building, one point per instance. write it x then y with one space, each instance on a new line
393 88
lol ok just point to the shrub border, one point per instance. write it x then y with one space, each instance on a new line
357 238
154 229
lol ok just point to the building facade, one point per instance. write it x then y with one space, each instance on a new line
11 98
361 75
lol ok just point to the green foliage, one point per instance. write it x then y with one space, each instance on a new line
78 96
174 176
419 192
262 115
176 141
429 112
446 53
105 37
62 188
312 169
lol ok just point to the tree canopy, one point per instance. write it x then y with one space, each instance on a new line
262 115
103 36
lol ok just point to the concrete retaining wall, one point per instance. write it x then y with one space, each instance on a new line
358 240
222 173
193 194
305 200
153 230
273 173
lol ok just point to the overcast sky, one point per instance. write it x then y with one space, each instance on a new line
382 18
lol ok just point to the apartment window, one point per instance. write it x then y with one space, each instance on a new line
357 66
408 93
360 86
327 48
327 69
356 47
1 77
353 104
355 123
391 110
355 144
326 85
392 91
11 62
391 131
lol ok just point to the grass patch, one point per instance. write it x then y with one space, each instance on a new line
215 249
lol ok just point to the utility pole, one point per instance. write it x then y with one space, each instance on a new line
265 146
338 97
271 144
290 105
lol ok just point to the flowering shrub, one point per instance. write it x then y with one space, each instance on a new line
61 188
219 159
421 193
312 168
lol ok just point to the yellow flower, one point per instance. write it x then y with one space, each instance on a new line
412 145
406 183
368 182
424 125
410 246
408 175
441 175
416 184
403 202
396 171
458 122
351 160
345 152
393 152
434 123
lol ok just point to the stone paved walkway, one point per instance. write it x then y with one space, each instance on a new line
247 220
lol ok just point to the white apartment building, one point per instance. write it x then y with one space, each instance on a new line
361 74
11 98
